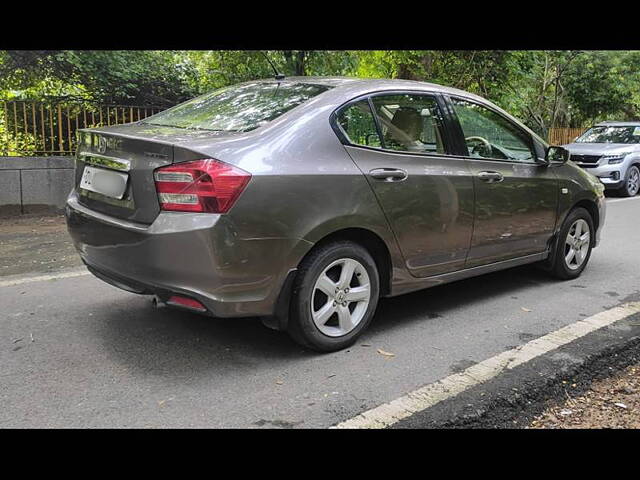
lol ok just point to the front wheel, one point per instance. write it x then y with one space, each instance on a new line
573 248
335 295
631 182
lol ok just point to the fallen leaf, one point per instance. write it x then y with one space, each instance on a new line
386 354
621 405
525 309
279 382
332 375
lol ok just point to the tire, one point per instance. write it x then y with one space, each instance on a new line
327 322
559 266
631 182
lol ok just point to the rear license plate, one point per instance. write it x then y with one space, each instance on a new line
106 182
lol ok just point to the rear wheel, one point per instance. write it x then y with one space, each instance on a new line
335 295
631 183
574 245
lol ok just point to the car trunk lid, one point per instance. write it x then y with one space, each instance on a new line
130 152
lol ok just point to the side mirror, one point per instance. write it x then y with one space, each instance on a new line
557 155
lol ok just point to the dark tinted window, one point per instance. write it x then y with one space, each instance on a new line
410 123
238 108
490 135
357 122
610 135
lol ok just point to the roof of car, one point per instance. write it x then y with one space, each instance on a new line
618 124
372 84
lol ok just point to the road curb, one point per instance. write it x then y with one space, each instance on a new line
514 398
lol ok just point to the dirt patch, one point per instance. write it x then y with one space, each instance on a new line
612 402
35 244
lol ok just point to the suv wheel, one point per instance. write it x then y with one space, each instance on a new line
631 183
573 248
335 295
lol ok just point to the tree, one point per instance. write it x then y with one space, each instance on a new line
131 77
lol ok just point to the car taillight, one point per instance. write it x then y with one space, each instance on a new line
200 186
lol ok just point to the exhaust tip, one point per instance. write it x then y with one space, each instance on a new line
157 303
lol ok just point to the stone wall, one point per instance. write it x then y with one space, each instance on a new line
34 184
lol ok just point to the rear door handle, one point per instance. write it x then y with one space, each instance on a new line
388 174
490 177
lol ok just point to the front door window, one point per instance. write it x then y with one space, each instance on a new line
490 135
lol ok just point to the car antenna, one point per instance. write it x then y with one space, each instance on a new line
278 76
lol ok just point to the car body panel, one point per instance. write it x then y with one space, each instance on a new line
431 211
514 217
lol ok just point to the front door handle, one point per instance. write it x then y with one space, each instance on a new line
491 177
388 174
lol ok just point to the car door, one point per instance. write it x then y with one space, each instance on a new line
399 142
516 195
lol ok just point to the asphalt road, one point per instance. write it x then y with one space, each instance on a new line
76 352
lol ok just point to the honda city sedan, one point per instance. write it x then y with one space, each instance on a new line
305 200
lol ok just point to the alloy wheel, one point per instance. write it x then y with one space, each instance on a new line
577 244
633 182
340 297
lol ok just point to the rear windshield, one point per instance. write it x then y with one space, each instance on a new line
238 108
618 134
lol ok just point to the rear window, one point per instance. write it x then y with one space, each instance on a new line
238 108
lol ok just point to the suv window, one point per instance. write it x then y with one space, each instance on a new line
356 121
611 134
238 108
490 135
410 123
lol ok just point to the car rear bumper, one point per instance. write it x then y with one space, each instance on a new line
201 256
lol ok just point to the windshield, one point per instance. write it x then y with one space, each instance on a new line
618 134
237 108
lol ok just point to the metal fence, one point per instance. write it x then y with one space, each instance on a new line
562 136
36 128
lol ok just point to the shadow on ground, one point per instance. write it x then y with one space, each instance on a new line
172 342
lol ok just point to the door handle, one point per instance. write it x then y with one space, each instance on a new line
490 177
388 174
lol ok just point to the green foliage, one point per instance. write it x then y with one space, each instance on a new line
129 77
543 88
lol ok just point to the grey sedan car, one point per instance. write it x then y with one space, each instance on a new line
611 152
304 200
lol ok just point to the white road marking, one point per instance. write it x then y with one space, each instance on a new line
616 200
42 278
387 414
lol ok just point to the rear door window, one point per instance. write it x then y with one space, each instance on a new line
410 123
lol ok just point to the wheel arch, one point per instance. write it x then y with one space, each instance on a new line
591 207
374 244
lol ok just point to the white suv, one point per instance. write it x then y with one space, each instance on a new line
611 152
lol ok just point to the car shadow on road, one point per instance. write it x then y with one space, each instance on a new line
174 343
437 302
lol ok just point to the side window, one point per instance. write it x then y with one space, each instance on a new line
356 120
490 135
410 123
